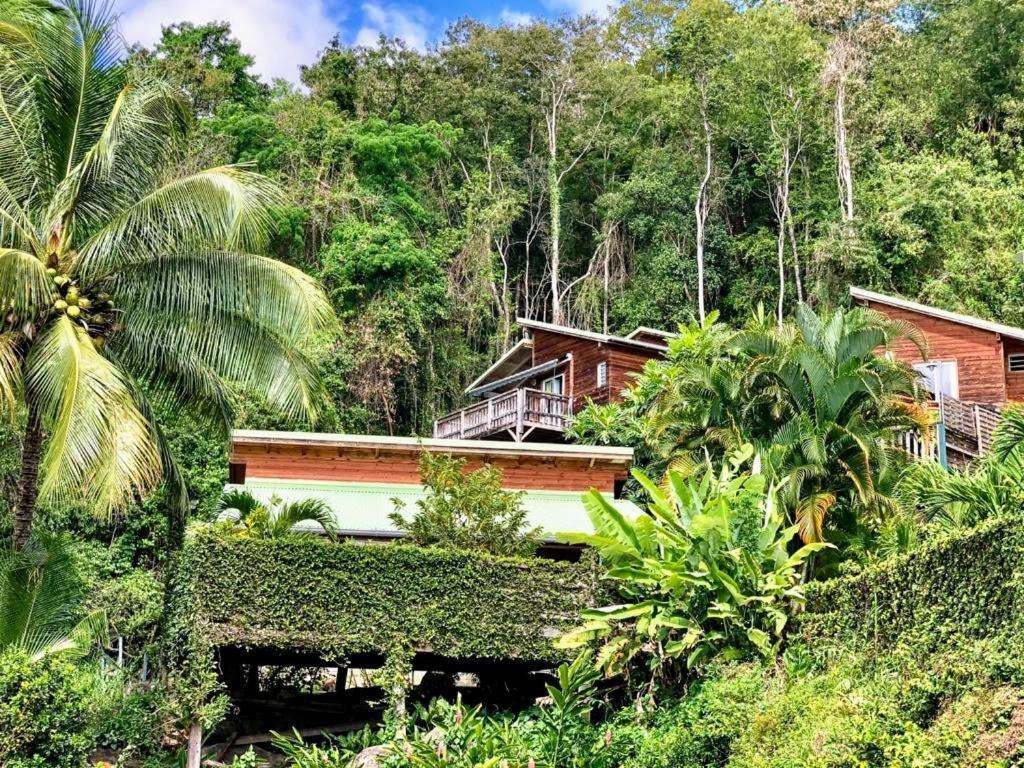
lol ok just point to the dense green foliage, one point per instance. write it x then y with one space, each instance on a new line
347 598
814 143
42 600
44 713
467 510
657 164
962 585
705 573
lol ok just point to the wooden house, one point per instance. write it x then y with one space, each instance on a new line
972 367
530 392
360 476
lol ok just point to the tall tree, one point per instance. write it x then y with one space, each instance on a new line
122 279
699 49
776 66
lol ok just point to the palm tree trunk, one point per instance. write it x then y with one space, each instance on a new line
28 482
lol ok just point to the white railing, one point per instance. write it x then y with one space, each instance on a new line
518 412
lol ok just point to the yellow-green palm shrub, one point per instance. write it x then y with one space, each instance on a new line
121 270
819 403
707 573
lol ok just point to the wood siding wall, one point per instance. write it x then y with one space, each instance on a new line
1014 381
367 466
586 355
978 353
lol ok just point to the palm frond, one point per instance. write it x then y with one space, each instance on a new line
144 127
10 376
41 596
26 291
221 208
294 517
199 285
100 445
241 351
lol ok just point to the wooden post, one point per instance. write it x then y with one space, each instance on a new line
195 744
490 414
462 423
977 429
520 413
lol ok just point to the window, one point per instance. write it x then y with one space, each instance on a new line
1015 363
602 374
555 385
940 376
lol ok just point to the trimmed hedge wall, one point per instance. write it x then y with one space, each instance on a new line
338 599
960 586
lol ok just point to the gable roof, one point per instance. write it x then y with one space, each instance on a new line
643 330
1009 331
603 338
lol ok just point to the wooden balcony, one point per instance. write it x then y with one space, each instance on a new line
515 414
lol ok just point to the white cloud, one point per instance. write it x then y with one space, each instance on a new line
515 18
408 23
580 7
279 34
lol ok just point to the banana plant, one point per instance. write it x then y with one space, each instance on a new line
709 571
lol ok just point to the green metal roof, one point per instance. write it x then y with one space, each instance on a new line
362 509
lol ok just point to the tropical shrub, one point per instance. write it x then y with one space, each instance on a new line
244 515
820 407
706 574
44 714
993 487
698 729
467 510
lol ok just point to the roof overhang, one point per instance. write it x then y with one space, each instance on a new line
415 445
603 338
363 510
860 294
515 378
643 330
514 359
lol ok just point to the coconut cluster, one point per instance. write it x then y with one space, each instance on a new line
89 311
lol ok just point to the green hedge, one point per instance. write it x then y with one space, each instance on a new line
969 585
338 599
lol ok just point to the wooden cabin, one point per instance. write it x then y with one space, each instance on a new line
533 389
360 476
972 367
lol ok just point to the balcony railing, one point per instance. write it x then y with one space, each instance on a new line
517 413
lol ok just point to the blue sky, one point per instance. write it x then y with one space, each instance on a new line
282 34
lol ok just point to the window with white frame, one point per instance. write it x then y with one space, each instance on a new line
1015 363
940 377
602 374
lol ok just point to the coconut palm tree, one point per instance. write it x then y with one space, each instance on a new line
41 599
125 278
276 519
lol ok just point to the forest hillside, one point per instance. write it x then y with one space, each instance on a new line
643 168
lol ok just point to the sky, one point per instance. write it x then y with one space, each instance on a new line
283 34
